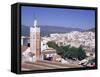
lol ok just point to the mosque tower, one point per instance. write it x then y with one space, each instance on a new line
35 41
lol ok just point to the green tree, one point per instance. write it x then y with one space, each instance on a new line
81 53
77 53
59 50
72 53
67 51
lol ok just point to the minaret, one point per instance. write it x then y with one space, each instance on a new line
35 42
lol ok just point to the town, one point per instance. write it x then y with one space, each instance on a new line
59 50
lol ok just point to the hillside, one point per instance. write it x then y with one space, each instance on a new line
92 29
46 30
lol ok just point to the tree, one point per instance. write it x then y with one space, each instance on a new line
67 51
59 50
66 48
52 44
72 53
77 53
81 53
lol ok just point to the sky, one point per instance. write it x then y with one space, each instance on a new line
73 18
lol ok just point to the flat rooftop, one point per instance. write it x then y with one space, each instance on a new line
42 65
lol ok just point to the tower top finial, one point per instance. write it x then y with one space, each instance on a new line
35 21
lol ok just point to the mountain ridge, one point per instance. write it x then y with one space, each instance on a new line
46 30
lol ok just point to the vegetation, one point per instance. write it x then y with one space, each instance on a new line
58 49
92 29
91 61
68 51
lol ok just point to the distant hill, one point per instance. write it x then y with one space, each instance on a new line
92 29
46 30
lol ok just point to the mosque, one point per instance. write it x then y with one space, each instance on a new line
37 49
